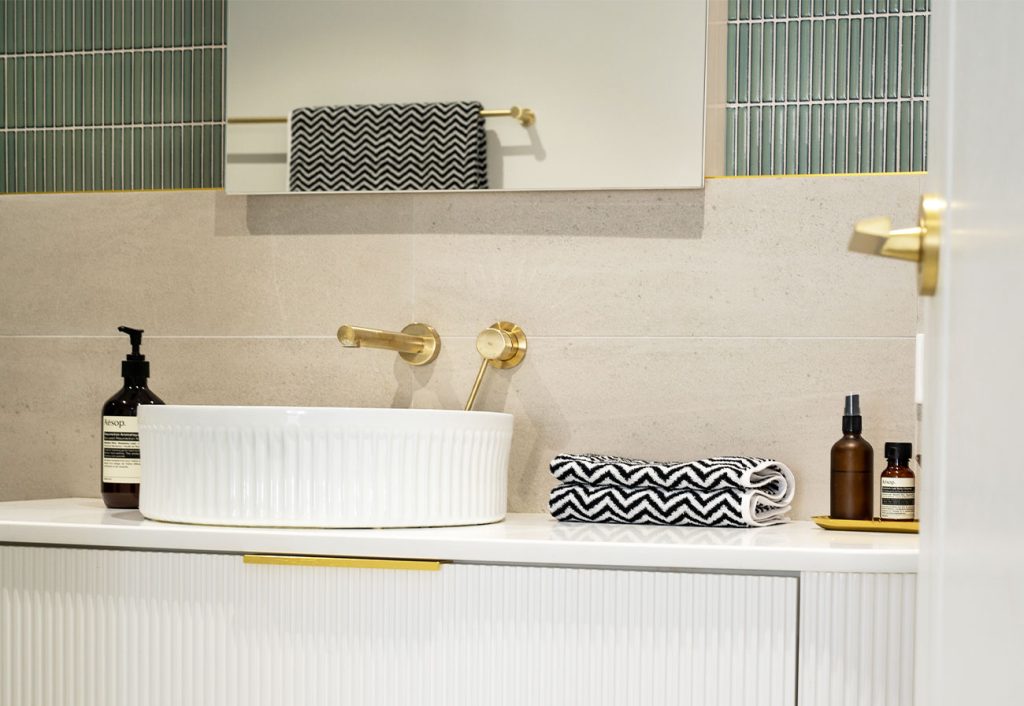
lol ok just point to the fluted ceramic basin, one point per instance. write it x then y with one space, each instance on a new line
323 466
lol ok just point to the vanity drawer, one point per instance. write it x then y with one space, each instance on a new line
106 627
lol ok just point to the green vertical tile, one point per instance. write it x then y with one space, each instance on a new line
805 60
891 132
854 64
49 91
878 141
3 91
743 64
917 161
177 86
17 178
754 143
208 22
74 179
68 37
207 148
121 180
781 8
867 68
135 161
734 11
168 157
170 80
907 57
866 135
148 24
186 158
907 5
767 62
46 17
17 20
792 137
755 63
58 160
743 141
39 90
792 60
829 87
196 180
144 83
93 73
86 11
920 56
831 7
49 162
804 140
779 60
4 188
123 84
818 61
730 63
71 80
57 89
894 5
138 72
108 24
892 57
84 146
880 58
189 80
817 145
922 5
765 160
869 6
27 166
137 39
793 8
778 140
187 24
853 139
755 9
6 39
905 140
108 89
730 143
179 22
38 36
20 100
842 59
828 139
167 24
217 155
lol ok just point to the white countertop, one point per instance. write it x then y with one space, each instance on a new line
520 539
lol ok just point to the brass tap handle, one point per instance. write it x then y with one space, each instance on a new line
417 344
502 345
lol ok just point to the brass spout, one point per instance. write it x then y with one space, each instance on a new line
417 344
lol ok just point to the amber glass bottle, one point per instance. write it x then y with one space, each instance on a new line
852 477
898 484
120 461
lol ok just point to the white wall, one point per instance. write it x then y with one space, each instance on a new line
618 86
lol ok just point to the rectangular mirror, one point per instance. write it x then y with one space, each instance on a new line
616 88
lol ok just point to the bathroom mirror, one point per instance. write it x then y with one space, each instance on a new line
617 86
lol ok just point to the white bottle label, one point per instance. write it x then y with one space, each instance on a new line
897 499
121 450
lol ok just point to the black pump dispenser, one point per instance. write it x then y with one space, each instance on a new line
120 457
135 365
852 422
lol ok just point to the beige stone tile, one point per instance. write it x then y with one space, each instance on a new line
185 264
770 259
653 398
630 213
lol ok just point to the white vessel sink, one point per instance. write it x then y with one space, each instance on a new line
323 466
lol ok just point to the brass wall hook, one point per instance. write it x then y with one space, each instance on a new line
417 344
502 345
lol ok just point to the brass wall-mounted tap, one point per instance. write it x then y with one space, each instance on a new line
417 344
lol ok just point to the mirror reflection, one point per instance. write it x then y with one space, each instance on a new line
380 95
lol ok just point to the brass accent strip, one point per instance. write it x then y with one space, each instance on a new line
525 116
342 562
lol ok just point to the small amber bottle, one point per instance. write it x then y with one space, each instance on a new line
852 479
898 486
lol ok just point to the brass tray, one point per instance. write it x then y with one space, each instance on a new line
875 525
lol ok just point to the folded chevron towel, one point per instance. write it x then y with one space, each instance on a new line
387 147
728 507
728 491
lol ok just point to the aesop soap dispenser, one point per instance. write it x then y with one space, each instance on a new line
852 475
120 460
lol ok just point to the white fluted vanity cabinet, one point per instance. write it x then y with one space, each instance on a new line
103 608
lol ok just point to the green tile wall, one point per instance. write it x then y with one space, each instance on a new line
111 94
827 86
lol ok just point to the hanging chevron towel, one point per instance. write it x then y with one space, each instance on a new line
726 491
387 147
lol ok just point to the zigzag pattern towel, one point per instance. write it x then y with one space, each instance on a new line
387 147
723 491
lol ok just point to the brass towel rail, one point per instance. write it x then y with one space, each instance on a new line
525 116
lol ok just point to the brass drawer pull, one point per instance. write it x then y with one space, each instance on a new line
342 562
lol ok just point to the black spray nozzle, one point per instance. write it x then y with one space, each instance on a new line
135 336
852 408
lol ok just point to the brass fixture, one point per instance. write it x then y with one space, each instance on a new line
417 344
342 562
920 244
525 116
502 346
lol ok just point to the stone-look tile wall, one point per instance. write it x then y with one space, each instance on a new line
662 324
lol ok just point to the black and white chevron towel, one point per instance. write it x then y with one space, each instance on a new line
387 147
723 491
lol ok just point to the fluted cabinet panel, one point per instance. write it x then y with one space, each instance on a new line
857 639
110 628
